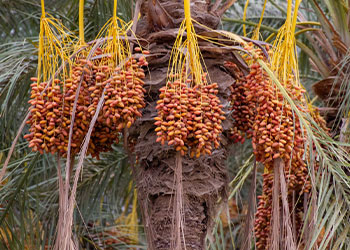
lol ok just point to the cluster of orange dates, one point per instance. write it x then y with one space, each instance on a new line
189 117
243 110
260 112
277 134
45 117
52 105
124 98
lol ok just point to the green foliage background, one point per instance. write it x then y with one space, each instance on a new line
30 195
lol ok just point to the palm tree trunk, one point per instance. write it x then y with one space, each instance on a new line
203 180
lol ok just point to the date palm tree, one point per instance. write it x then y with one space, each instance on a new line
105 214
